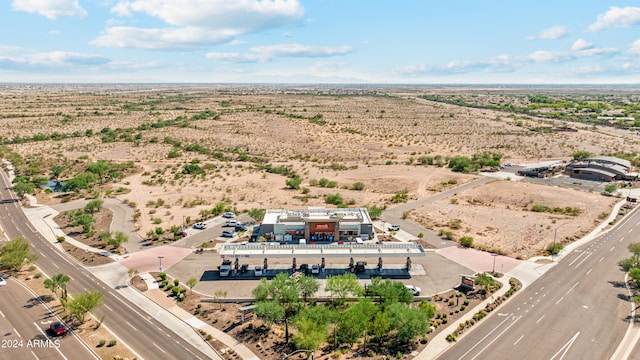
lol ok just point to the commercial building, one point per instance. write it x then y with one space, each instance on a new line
601 168
317 224
541 169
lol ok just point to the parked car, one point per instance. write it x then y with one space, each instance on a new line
244 268
58 329
228 215
315 269
414 290
200 226
240 228
228 233
232 223
304 268
3 282
394 227
257 270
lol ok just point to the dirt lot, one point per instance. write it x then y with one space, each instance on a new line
499 216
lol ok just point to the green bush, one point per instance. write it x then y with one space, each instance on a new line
466 241
112 343
162 275
102 342
176 282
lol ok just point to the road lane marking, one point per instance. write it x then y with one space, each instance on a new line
589 271
496 338
573 287
602 258
34 355
565 347
486 336
517 341
131 326
541 317
613 247
559 300
630 230
622 238
583 260
1 313
159 348
577 258
17 333
107 306
54 264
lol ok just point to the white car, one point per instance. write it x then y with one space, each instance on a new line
232 223
394 227
315 269
229 215
413 289
3 282
200 226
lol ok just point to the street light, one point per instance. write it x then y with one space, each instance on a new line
160 258
555 233
494 264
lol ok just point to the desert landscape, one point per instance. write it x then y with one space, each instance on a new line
175 152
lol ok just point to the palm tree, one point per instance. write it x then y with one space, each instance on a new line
58 282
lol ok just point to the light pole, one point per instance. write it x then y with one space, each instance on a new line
494 264
160 258
555 233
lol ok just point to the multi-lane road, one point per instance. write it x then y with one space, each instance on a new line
24 321
148 338
579 309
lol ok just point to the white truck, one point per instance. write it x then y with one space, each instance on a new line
225 268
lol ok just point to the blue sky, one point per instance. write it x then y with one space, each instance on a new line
321 41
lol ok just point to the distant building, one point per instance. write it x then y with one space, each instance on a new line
601 168
317 225
541 169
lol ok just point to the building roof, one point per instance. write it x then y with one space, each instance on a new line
611 159
597 171
275 216
541 165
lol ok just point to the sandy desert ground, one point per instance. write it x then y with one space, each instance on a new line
373 136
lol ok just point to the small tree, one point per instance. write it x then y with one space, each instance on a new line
191 283
84 303
93 206
485 280
15 253
294 182
220 295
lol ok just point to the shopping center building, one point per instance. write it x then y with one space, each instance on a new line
317 224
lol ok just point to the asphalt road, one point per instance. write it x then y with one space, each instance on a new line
23 324
577 310
148 338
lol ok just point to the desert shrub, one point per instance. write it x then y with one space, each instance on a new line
358 186
539 208
466 241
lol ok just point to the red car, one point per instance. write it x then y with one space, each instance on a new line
58 329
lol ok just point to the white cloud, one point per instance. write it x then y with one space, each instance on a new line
197 23
51 59
237 57
498 64
552 33
581 44
168 38
616 17
54 32
635 48
267 53
298 50
50 8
